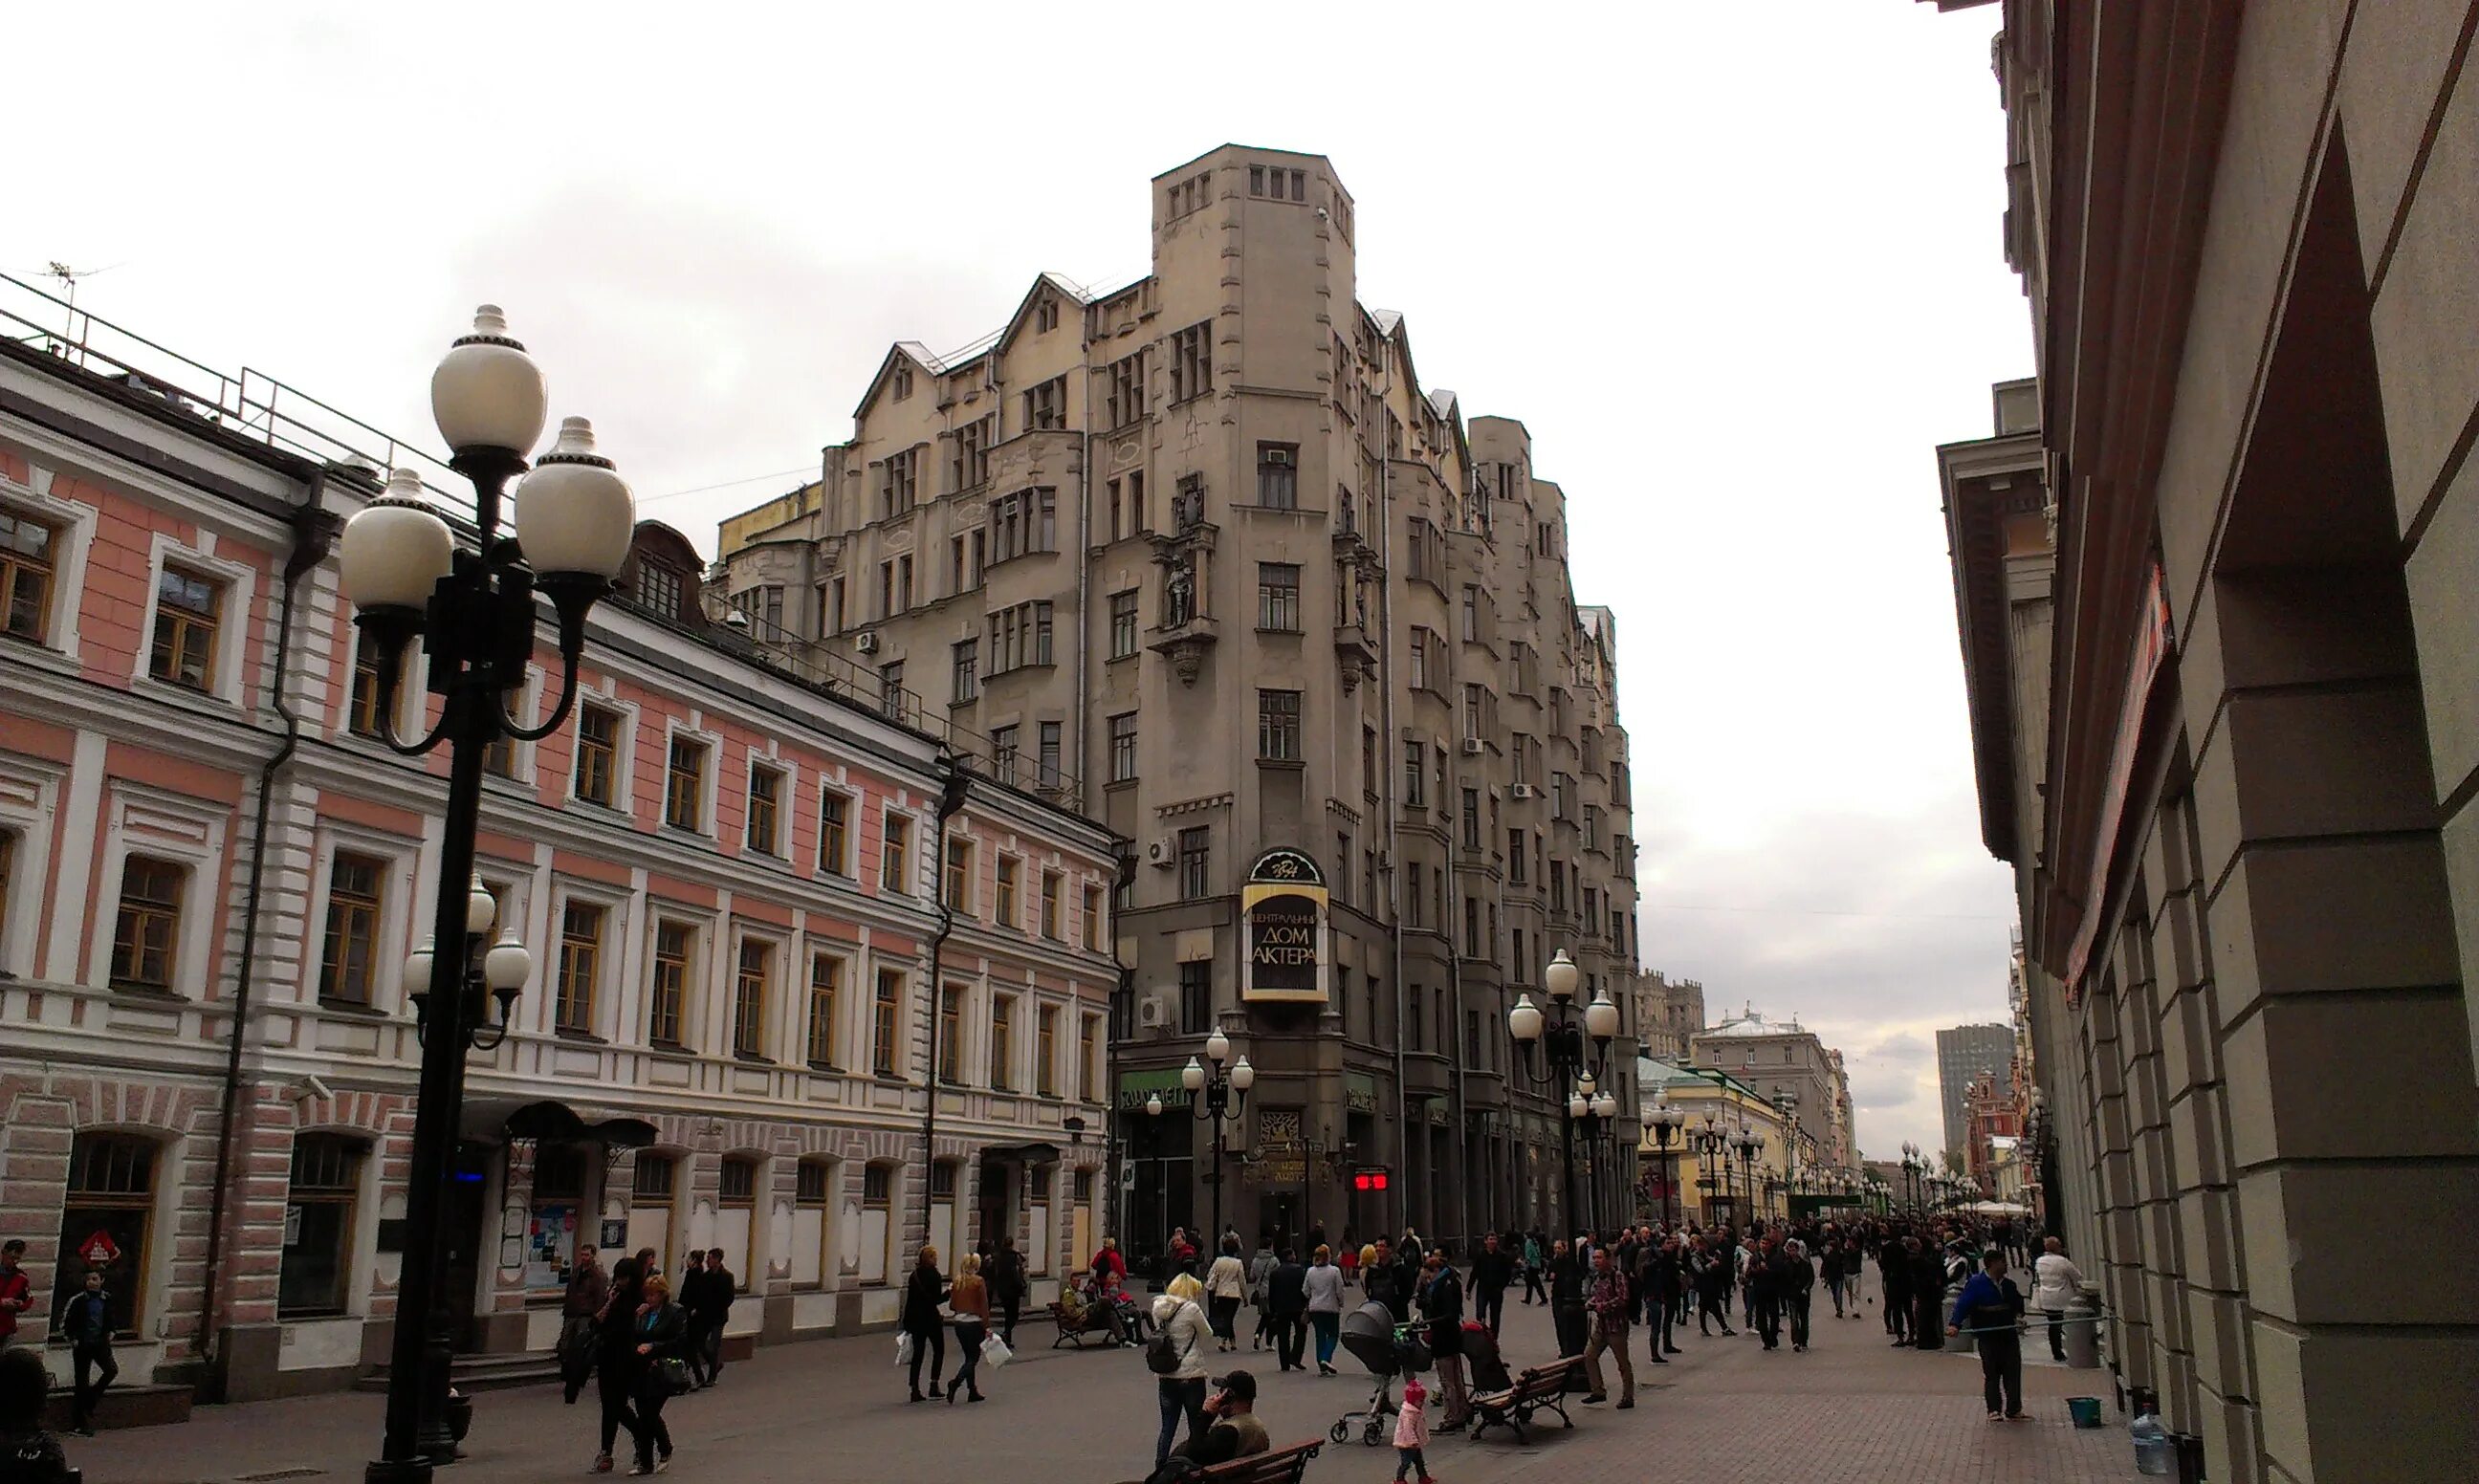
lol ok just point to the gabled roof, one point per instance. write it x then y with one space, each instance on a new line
901 351
1072 292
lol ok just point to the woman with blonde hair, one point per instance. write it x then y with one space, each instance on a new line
923 1293
1178 1359
970 1302
658 1373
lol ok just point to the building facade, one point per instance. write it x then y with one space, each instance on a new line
2221 700
1668 1013
1965 1054
212 867
1696 1176
1202 557
1793 1068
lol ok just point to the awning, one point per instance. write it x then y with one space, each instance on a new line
1025 1153
497 1120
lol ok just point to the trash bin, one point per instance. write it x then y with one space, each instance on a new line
2085 1411
2083 1331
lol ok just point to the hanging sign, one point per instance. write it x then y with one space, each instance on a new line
99 1250
1284 905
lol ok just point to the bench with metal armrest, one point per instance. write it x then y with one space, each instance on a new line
1536 1388
1278 1466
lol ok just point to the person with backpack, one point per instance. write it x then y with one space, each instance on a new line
1004 1274
1177 1358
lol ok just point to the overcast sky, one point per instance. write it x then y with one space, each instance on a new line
1736 265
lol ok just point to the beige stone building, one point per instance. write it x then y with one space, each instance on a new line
2218 614
1202 557
1667 1012
1788 1066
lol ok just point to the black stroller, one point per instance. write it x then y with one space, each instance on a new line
1389 1351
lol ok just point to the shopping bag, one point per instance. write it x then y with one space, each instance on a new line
904 1350
995 1352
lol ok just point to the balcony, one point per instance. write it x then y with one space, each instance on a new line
1355 648
1185 643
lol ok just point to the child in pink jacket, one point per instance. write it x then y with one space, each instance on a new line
1412 1433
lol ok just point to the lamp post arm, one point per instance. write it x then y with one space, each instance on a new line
558 714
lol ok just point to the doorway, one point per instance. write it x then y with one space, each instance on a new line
461 1209
995 1207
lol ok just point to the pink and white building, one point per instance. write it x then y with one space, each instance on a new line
731 880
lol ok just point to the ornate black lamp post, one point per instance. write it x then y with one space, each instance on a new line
1747 1144
473 610
1913 1167
1221 1095
1711 1141
1592 1109
1662 1122
1573 1047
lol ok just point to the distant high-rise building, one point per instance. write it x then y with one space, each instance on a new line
1963 1053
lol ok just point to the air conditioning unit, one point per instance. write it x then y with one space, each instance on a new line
1471 747
866 641
1153 1011
1162 853
1526 791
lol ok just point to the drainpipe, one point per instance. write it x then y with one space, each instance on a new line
953 784
1393 770
1112 1213
314 536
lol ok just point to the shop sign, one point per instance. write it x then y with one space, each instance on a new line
1284 908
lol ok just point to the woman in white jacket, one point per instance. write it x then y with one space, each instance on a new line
1226 1288
2055 1281
1179 1322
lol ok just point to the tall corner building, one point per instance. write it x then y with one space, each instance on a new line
1201 556
1966 1053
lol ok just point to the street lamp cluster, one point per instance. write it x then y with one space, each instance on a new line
1576 1051
1662 1121
472 608
1221 1094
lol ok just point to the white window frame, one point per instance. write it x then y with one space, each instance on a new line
919 832
524 711
608 986
787 802
770 1025
702 925
411 689
853 800
848 1011
30 801
76 524
239 583
674 728
135 819
624 760
403 858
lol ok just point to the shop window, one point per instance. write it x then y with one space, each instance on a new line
107 1223
318 1226
558 1208
814 1258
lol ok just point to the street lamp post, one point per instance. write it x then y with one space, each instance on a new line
1573 1046
1661 1123
1912 1169
1592 1110
474 611
1747 1142
1221 1095
1712 1147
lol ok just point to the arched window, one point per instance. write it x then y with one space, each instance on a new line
318 1226
107 1223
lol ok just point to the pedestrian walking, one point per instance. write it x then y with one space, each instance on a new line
1796 1284
1894 1276
27 1453
1991 1307
2055 1282
1607 1302
1534 1256
87 1323
1226 1287
588 1285
1286 1298
614 1343
1441 1304
16 1290
691 1298
1567 1299
1412 1435
1006 1275
1177 1359
1713 1279
658 1373
923 1293
1661 1278
711 1313
1492 1271
1763 1279
1261 1269
1324 1287
970 1302
1928 1294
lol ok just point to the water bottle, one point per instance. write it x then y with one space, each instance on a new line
2153 1453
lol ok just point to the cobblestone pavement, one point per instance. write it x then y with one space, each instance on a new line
1851 1408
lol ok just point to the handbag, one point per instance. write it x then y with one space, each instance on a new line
904 1350
674 1372
995 1352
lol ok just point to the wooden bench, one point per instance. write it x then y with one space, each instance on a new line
1279 1466
1092 1324
1537 1389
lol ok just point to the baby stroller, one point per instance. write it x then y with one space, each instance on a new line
1389 1351
1482 1361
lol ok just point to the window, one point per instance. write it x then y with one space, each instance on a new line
598 755
1278 726
1045 406
658 590
898 483
968 657
1416 1017
763 606
894 586
1413 897
1020 636
831 608
900 385
1195 997
1192 194
882 1021
750 988
1005 749
814 1250
499 756
834 833
950 1034
1419 664
111 1194
765 833
1089 1057
1123 623
1471 928
1092 912
1369 761
1125 401
348 970
1022 524
1053 910
1138 519
1558 782
826 995
1002 1042
669 1001
581 959
315 1277
188 610
362 706
1278 597
1196 852
1471 819
1515 856
1471 614
684 785
890 689
1415 777
895 855
1476 726
1427 553
149 924
26 569
1049 734
1045 317
970 467
1002 908
967 555
1045 1050
1278 475
736 1216
651 1189
959 874
1191 362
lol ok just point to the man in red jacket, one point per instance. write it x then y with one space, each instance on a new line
16 1290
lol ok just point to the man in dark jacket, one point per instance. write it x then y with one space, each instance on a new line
1004 1274
1286 1304
1894 1276
1764 1293
587 1287
712 1312
690 1294
1927 1296
1492 1271
1441 1304
1713 1278
1566 1298
1657 1276
1797 1283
